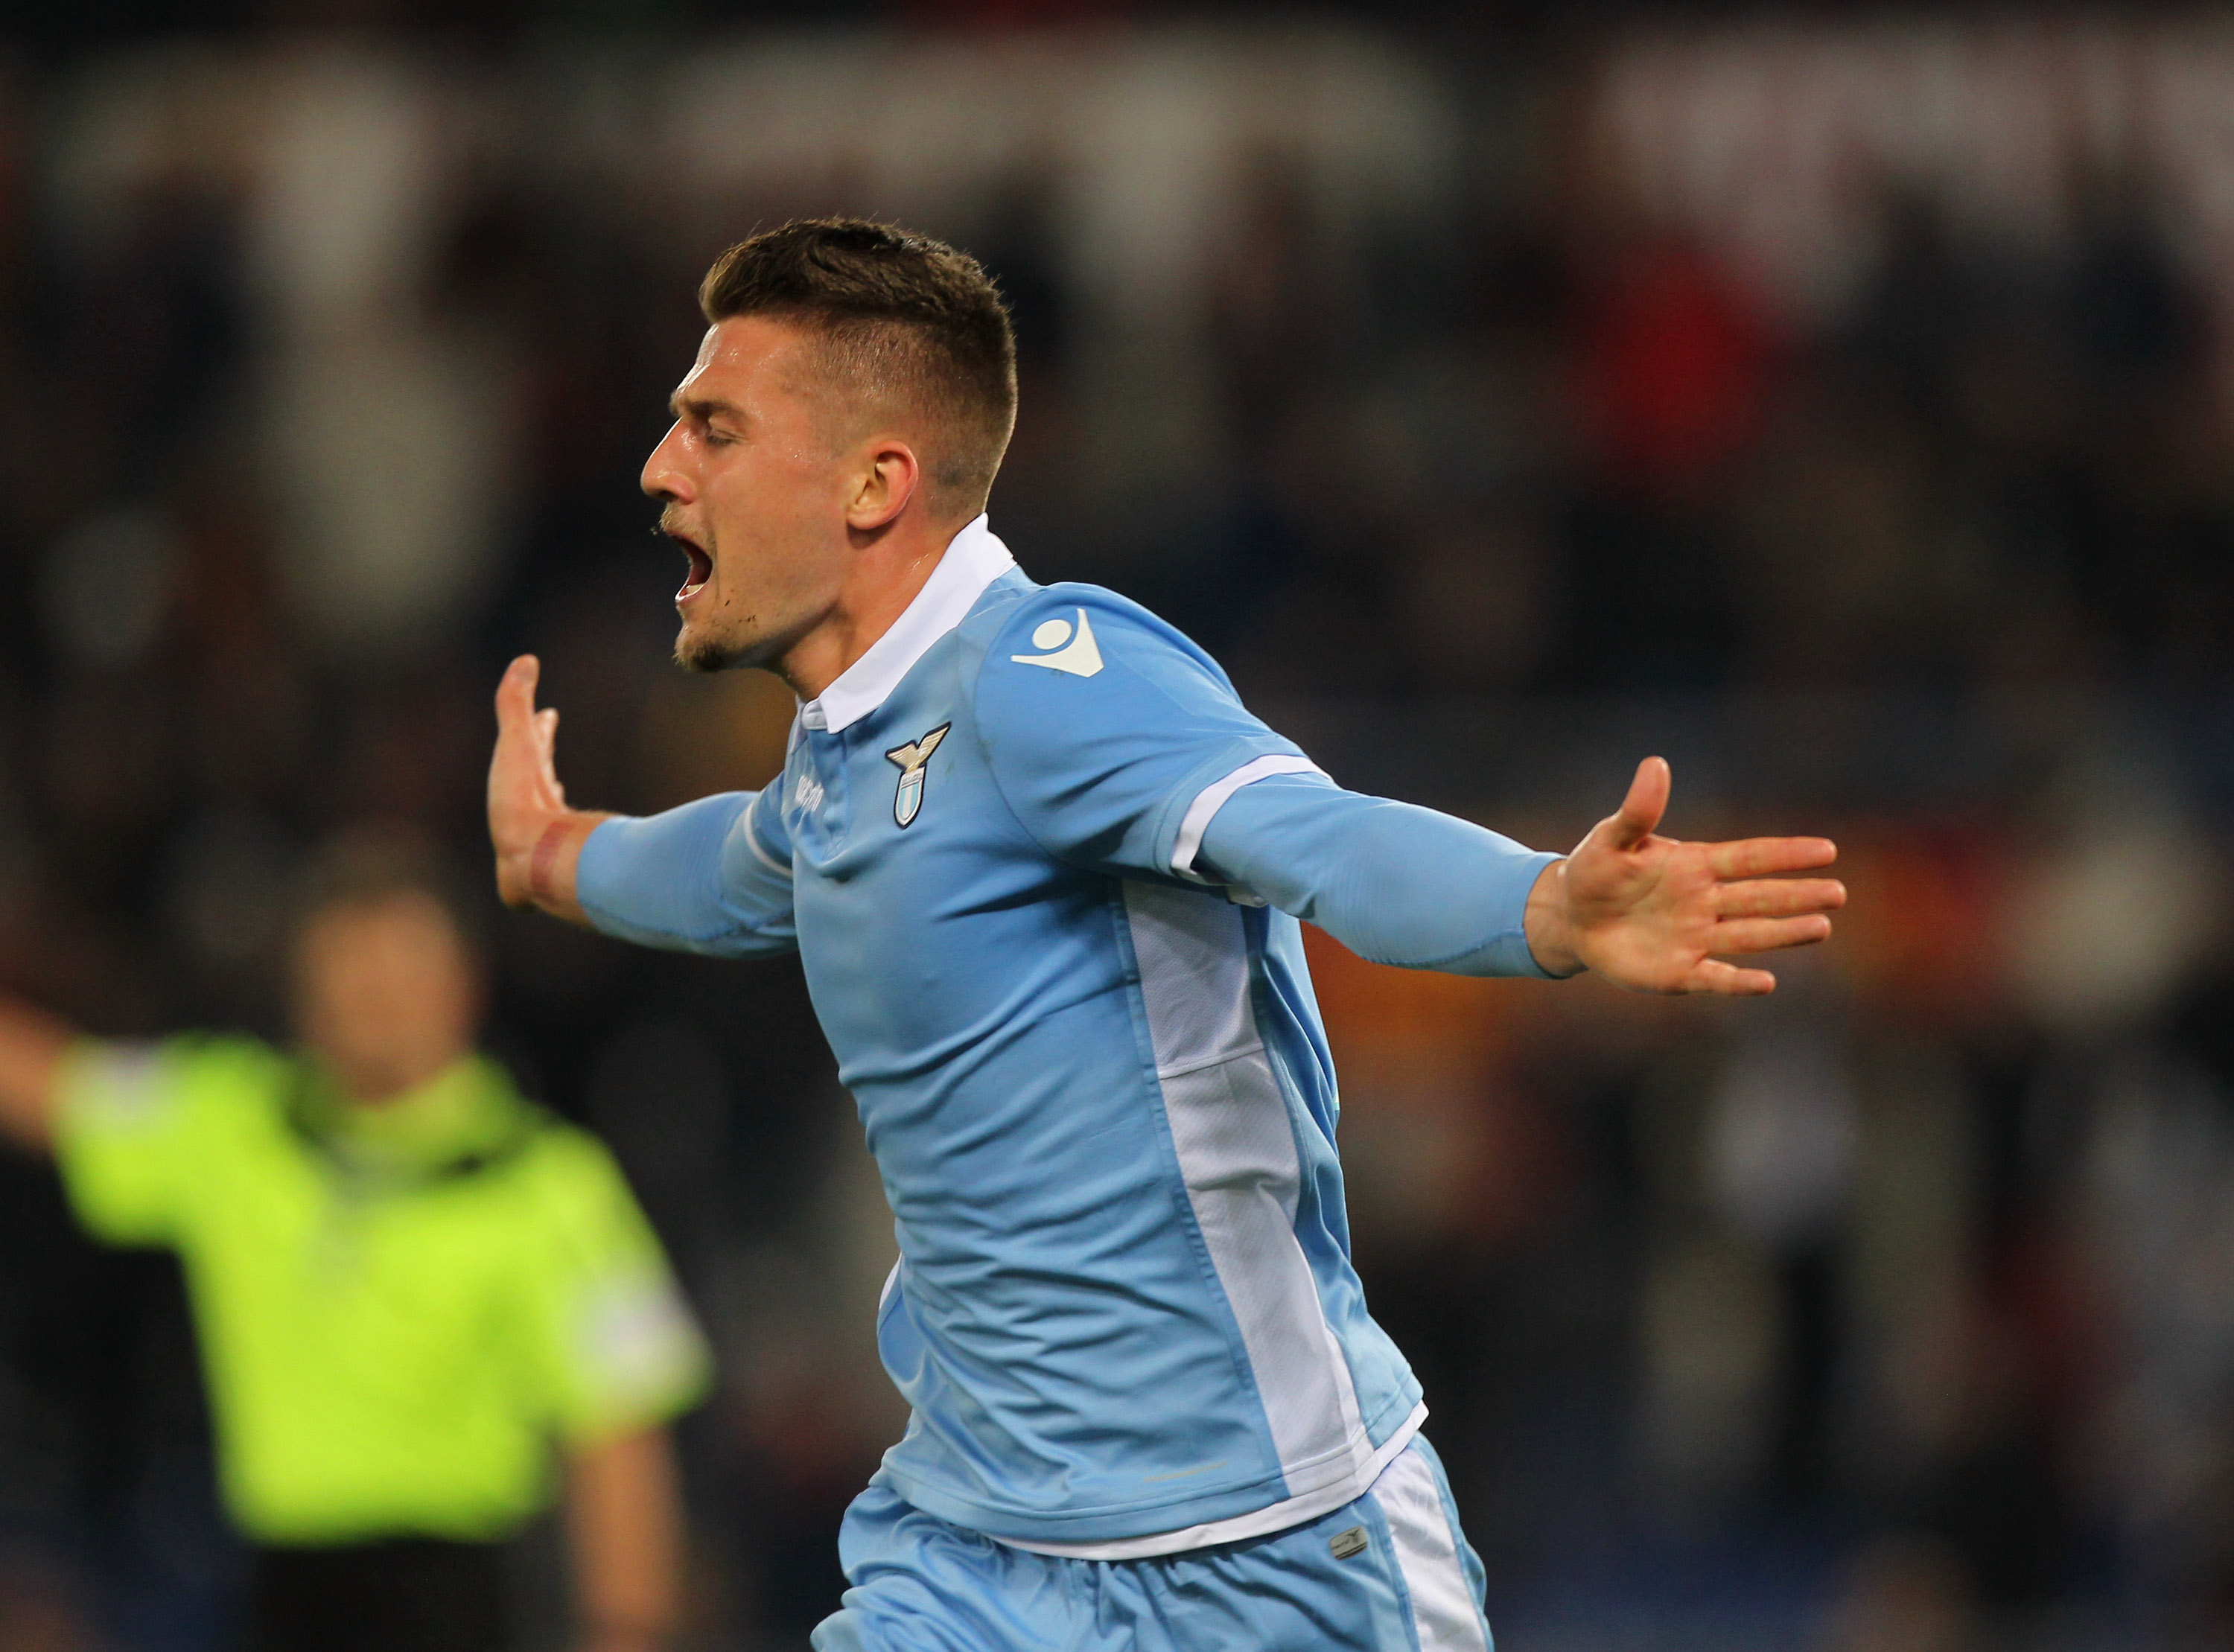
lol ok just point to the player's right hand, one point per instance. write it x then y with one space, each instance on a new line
537 838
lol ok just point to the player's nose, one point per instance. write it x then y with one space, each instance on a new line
664 476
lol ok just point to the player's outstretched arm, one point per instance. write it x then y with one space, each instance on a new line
537 838
32 1045
1658 914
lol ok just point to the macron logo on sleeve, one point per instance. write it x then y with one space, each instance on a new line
1076 654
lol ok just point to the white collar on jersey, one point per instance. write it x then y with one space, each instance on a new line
974 559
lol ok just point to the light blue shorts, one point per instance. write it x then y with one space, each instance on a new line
1389 1572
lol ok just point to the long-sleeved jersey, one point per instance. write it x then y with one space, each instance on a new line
1044 872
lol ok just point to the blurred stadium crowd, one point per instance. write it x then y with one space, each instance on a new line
1843 412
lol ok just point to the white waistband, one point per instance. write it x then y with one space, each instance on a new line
1264 1522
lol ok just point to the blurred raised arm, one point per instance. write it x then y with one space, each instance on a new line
32 1044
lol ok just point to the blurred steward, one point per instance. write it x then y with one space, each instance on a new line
409 1284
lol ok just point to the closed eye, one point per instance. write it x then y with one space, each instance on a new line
717 421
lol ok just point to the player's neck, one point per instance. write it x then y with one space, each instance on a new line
888 572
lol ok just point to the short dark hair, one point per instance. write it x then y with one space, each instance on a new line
901 312
369 865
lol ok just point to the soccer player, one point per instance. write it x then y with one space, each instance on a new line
1045 873
408 1284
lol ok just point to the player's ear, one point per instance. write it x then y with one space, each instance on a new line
885 480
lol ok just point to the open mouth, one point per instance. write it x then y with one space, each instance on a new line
702 568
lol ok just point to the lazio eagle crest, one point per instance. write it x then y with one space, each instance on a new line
907 801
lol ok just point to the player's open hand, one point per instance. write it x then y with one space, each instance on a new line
1656 914
537 838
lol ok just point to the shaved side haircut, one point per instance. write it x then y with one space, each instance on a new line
903 318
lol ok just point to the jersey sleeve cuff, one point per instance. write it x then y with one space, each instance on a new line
115 1110
645 1362
113 1085
1506 951
595 872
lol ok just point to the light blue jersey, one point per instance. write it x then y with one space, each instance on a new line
1025 848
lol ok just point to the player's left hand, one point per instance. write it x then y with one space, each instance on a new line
1656 914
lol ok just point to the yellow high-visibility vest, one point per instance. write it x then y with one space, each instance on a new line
401 1308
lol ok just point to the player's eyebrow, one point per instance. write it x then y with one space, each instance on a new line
704 410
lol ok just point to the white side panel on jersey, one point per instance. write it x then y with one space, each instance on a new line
1443 1607
1236 1152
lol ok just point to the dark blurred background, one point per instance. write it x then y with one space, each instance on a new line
1834 400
